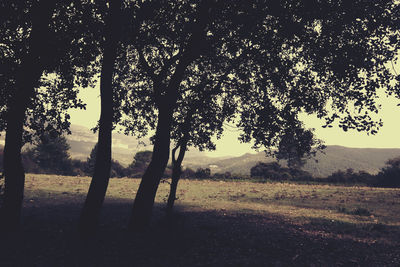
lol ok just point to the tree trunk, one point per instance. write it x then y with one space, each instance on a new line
176 175
92 208
144 201
13 170
27 78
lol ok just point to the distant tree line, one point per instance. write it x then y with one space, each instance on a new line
51 156
389 176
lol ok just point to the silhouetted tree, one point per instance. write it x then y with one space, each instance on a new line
140 162
188 173
274 171
201 116
116 169
48 51
296 145
91 160
189 44
291 59
98 186
51 155
202 173
389 176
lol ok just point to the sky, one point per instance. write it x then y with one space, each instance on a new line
228 145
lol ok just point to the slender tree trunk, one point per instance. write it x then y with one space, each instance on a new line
29 73
144 201
92 208
176 175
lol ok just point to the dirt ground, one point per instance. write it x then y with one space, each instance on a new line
242 224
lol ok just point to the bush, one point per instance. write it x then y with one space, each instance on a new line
117 170
389 175
202 173
274 171
188 173
351 177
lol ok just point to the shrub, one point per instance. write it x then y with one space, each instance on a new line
188 173
351 177
361 212
274 171
389 176
202 173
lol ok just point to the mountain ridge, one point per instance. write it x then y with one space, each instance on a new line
334 158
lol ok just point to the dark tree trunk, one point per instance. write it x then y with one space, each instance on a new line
27 78
92 208
144 201
176 175
13 169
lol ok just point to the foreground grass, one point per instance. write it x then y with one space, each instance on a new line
218 224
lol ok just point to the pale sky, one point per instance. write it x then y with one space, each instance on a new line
387 137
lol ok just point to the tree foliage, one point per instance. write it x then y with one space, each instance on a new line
67 52
389 176
274 171
140 162
51 155
117 170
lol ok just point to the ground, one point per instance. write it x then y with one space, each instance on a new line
216 224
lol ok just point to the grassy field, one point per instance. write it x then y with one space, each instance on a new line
216 224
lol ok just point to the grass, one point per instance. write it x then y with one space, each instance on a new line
217 223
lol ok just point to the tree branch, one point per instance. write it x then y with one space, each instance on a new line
146 66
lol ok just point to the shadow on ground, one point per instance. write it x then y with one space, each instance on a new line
195 238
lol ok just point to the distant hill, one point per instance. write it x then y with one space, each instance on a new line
82 141
334 158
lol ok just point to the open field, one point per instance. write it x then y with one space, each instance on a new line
217 224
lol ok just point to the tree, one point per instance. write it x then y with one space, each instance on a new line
291 59
296 145
51 155
29 74
202 173
91 210
40 39
116 169
274 171
91 160
202 116
389 176
166 95
140 162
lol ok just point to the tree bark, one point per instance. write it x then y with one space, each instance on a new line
89 218
27 78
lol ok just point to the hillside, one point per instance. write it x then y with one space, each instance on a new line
334 158
82 141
